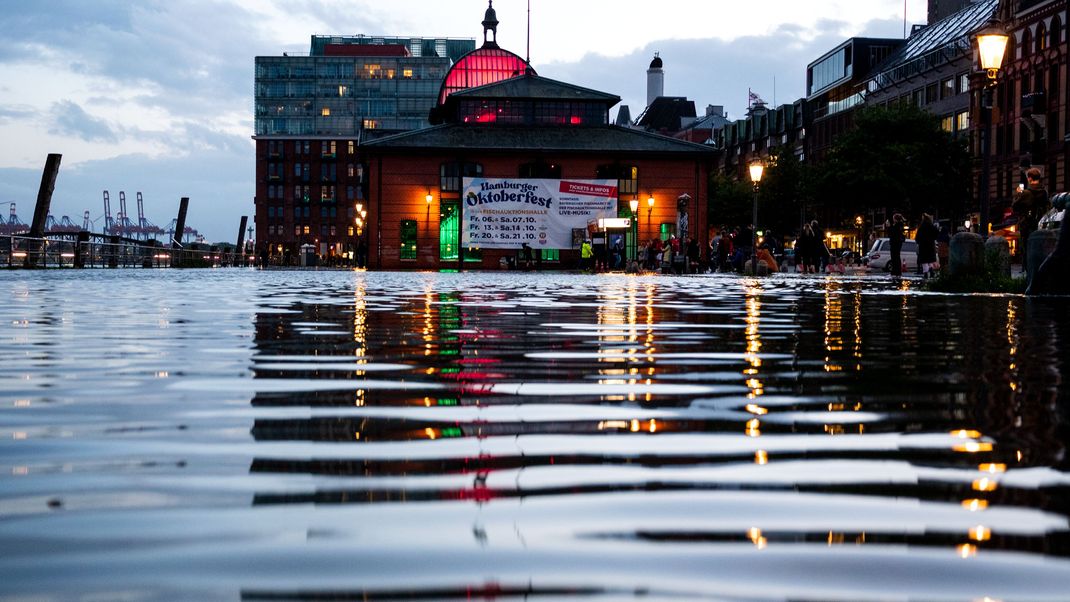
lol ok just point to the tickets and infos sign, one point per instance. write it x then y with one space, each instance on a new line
505 213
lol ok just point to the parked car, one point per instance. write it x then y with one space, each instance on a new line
881 252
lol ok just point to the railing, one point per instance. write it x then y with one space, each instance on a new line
84 250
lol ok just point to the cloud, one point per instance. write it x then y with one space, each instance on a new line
69 119
16 113
714 71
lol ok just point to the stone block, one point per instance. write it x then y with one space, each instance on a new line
998 256
966 256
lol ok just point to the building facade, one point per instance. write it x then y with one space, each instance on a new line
1030 113
527 127
311 115
835 86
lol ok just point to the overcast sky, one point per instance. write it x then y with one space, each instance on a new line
157 95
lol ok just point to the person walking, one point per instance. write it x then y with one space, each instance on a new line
807 257
586 254
926 239
896 236
724 250
1030 204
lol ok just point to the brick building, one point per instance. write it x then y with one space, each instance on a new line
526 127
311 115
1030 114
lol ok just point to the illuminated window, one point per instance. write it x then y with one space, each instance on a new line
479 68
962 121
343 90
449 231
306 229
406 73
372 71
947 124
371 124
352 147
667 230
408 239
326 112
350 231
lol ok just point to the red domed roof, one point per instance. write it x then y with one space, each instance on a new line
481 67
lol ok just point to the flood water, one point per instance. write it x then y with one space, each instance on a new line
244 435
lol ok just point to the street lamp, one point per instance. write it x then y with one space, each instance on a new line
991 46
634 206
756 171
859 222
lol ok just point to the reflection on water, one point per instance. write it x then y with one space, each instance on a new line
481 436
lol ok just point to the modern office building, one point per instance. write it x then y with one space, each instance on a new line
313 112
835 86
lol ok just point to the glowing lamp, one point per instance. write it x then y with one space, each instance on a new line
634 204
756 171
992 45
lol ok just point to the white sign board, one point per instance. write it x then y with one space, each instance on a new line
505 213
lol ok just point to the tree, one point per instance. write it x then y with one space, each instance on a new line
782 194
730 201
897 159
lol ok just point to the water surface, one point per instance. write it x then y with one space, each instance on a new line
335 435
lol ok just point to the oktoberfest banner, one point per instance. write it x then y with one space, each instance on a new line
505 213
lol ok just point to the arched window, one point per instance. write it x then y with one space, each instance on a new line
1027 44
1042 38
1055 33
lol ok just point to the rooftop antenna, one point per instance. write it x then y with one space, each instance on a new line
527 59
904 19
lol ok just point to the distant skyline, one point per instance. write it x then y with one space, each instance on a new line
157 96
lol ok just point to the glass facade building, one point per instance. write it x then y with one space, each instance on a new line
312 113
350 84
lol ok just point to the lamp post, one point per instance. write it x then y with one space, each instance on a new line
859 222
991 46
649 209
634 206
756 170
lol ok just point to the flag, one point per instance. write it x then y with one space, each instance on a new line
753 99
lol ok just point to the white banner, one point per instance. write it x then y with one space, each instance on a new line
505 213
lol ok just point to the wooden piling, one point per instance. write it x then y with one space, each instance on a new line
40 211
239 252
180 225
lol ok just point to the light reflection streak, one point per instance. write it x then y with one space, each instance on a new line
755 387
833 325
755 535
360 333
980 533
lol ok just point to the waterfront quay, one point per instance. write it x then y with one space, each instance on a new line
338 435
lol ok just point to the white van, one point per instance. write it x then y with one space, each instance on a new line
881 252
